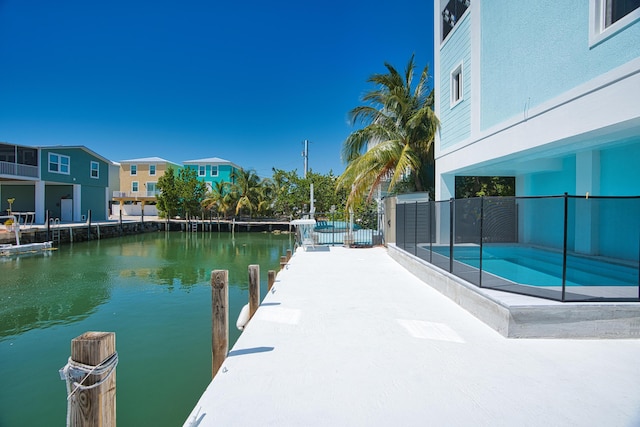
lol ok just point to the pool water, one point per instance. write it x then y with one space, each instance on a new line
539 267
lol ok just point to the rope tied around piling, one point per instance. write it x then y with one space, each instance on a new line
76 373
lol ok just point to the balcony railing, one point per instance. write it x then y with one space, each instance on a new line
16 169
135 194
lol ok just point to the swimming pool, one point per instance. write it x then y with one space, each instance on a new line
535 266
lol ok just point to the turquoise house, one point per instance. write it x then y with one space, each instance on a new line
68 181
546 92
213 169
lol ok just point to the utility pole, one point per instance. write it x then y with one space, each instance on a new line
305 156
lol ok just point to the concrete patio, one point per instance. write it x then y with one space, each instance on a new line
351 337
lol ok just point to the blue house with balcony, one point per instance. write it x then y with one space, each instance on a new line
212 170
68 181
546 92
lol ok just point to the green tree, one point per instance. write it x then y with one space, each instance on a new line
191 192
476 186
292 192
168 201
397 139
179 194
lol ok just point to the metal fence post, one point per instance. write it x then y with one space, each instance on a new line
564 245
481 236
415 229
451 232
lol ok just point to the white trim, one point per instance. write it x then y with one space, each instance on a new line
598 31
155 169
137 183
614 115
211 170
202 170
551 131
456 85
131 168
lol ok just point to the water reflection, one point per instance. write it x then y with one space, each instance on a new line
69 285
41 292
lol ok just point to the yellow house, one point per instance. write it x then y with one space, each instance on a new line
138 180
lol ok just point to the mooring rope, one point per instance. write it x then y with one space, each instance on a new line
76 373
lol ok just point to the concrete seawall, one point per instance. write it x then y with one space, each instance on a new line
81 232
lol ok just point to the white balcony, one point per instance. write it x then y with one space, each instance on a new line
18 170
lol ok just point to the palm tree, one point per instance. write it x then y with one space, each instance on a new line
397 139
218 198
247 184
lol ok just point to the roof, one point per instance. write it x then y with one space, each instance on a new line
71 147
211 160
149 160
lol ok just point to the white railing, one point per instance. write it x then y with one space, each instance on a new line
135 194
16 169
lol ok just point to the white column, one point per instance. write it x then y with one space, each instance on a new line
445 190
39 202
587 212
77 202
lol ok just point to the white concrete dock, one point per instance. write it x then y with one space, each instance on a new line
348 337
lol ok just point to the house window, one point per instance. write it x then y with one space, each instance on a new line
615 10
95 170
152 170
202 170
214 170
59 163
457 93
134 169
611 16
451 14
134 186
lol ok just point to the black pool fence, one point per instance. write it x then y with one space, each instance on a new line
564 248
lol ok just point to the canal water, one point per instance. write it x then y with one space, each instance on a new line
152 290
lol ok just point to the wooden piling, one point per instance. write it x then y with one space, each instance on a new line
289 254
220 319
95 406
283 262
272 279
254 289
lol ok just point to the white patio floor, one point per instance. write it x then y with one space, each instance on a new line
348 337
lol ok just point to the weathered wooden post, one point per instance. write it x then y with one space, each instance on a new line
220 318
47 219
89 225
283 262
289 254
91 380
272 279
254 289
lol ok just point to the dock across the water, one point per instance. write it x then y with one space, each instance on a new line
348 337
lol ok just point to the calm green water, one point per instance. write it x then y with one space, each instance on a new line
152 290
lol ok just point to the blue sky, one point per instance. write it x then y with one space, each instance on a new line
245 81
